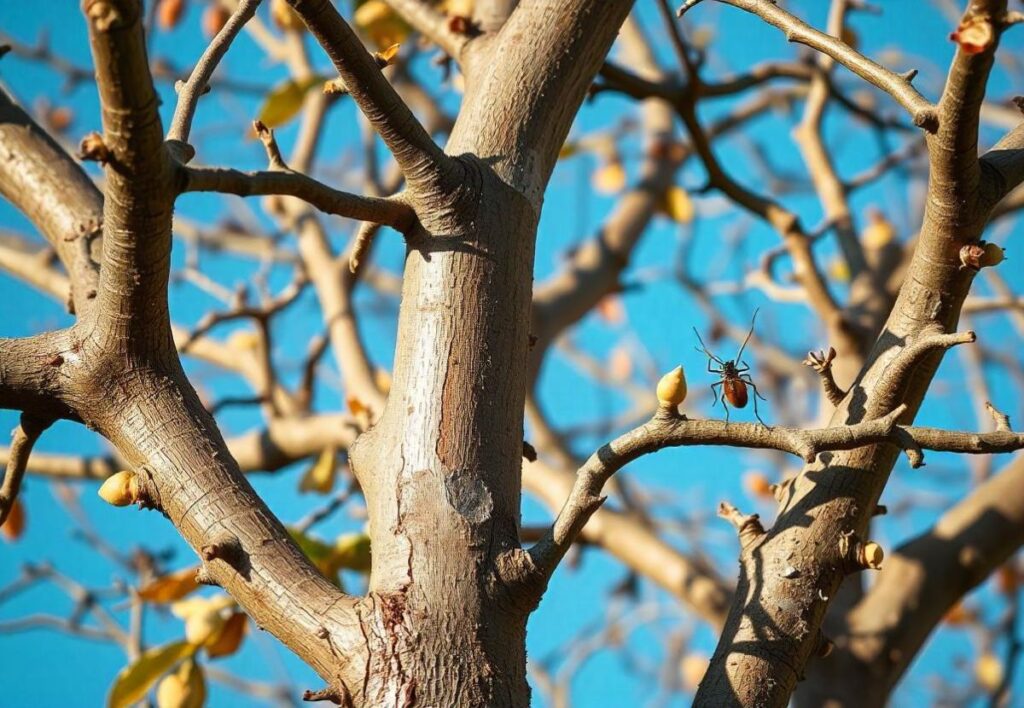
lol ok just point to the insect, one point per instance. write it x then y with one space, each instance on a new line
735 379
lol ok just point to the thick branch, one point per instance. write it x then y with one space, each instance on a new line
38 177
414 150
138 190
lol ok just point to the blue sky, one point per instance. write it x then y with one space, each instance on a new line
659 315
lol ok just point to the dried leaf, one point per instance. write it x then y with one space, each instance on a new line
757 485
229 639
320 477
171 587
135 680
169 13
214 18
14 525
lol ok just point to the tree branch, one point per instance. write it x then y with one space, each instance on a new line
415 152
922 112
286 182
52 190
25 436
198 80
432 24
139 193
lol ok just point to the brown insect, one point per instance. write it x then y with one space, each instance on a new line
735 379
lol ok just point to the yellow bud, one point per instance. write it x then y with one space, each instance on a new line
872 555
672 388
609 178
993 255
120 489
988 670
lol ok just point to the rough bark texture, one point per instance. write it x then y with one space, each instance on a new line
451 587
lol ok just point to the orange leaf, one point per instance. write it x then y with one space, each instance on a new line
610 309
169 13
14 526
171 587
230 637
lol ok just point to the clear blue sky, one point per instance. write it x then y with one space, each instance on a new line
41 668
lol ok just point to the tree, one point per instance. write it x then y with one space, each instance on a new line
438 453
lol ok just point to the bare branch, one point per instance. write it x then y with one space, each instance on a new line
388 211
898 86
191 90
25 436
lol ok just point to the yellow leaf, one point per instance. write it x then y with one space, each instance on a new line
244 340
321 476
171 587
677 205
135 680
879 232
285 17
838 270
285 100
382 378
319 553
204 617
568 150
458 7
352 551
185 688
988 670
380 23
610 178
229 638
14 525
692 669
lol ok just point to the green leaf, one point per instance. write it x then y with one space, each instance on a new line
352 551
285 100
135 680
319 553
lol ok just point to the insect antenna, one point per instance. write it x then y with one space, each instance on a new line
703 348
739 355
